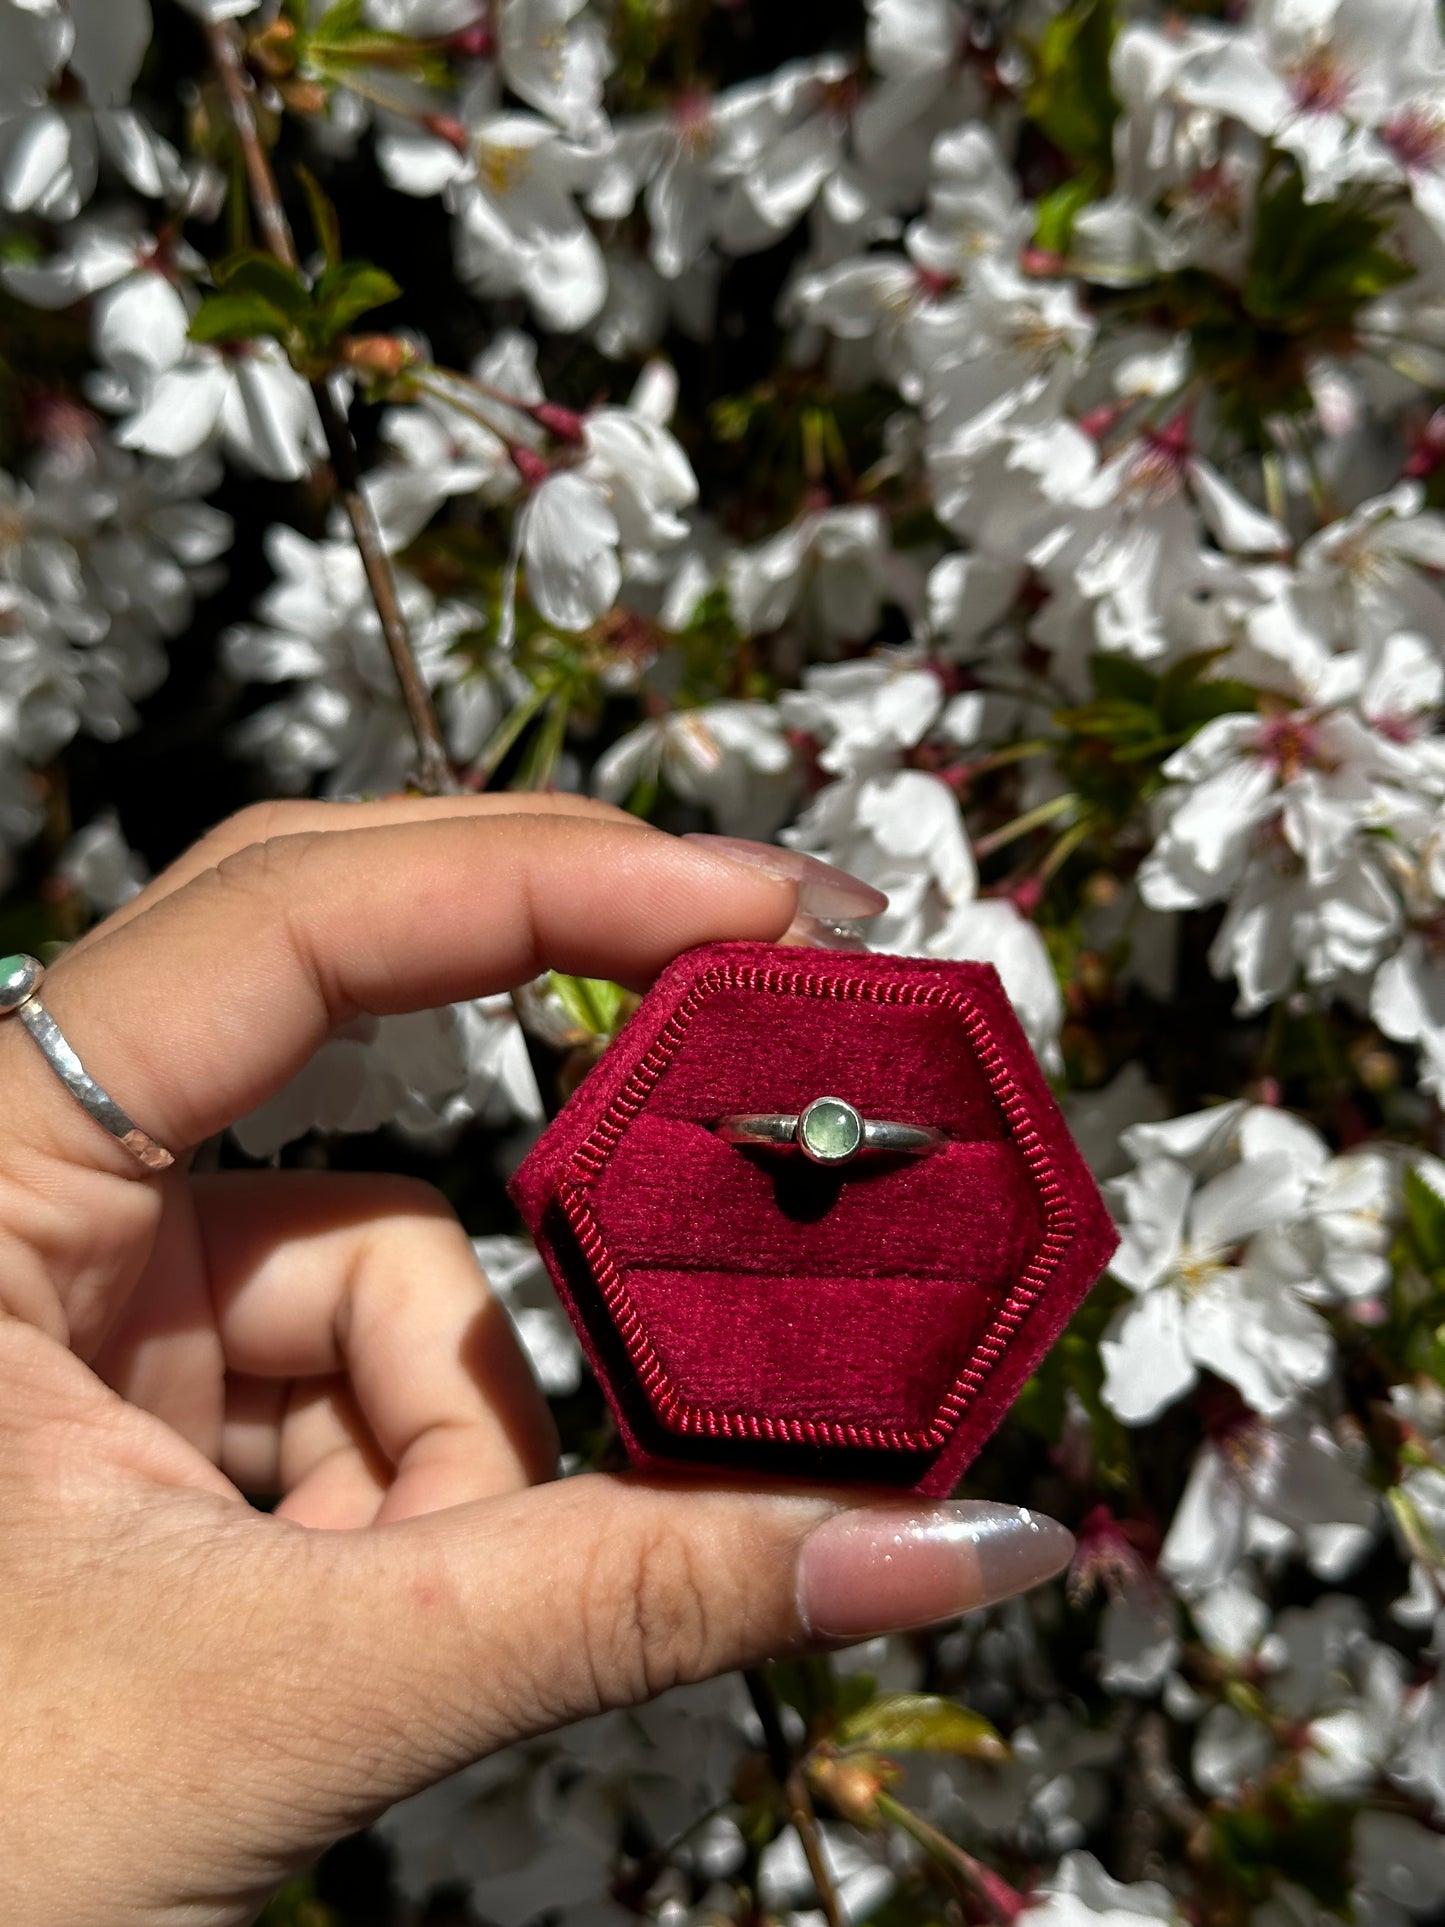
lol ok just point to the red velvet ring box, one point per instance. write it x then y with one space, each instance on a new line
747 1309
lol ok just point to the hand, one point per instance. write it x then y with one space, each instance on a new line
199 1696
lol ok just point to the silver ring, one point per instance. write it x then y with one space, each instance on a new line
20 981
831 1131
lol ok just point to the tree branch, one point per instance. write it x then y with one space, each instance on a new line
434 772
789 1775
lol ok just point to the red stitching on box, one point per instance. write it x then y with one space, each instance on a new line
590 1159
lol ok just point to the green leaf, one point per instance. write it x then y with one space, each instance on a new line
596 1006
1415 1529
1071 97
20 250
817 1692
341 19
323 215
1115 720
1137 720
297 1906
1313 265
1075 1365
906 1908
252 272
1188 697
343 38
1282 1834
1425 1217
238 317
348 291
1057 211
1317 257
1122 679
922 1723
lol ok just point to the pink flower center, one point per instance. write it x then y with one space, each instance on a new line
1291 745
58 420
843 97
1417 139
1433 932
1320 85
1160 466
692 117
1215 191
1113 1553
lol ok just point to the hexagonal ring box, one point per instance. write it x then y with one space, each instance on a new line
750 1309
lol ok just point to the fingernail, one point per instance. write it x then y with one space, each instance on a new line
888 1570
812 933
823 890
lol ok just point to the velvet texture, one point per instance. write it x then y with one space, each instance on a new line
744 1308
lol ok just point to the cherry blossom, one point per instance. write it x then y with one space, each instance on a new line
1202 1189
616 507
1081 1892
53 137
319 633
733 759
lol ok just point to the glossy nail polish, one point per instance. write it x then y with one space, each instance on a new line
813 933
823 890
890 1569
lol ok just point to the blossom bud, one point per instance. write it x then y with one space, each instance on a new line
851 1786
1427 451
1041 261
532 467
565 423
306 97
476 42
385 355
1026 896
1378 1069
1101 421
273 51
447 128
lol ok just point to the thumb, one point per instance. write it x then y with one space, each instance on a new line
476 1627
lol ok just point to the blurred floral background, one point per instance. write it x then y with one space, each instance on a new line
1000 449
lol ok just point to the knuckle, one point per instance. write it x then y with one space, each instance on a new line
269 881
648 1618
256 823
269 866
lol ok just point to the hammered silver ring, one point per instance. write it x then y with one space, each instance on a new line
20 980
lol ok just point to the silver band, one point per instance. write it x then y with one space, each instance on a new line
830 1131
20 981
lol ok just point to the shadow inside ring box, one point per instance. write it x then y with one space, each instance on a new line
806 1192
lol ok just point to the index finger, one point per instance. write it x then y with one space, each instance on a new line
290 816
201 1007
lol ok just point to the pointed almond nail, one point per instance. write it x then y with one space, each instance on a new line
823 890
866 1572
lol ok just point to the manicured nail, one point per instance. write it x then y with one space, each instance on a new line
888 1570
823 891
813 933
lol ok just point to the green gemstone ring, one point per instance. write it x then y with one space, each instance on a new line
830 1131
